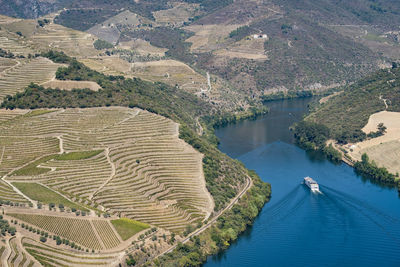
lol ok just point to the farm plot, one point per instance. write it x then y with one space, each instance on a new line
177 15
106 233
6 63
18 257
77 230
6 115
143 47
12 45
248 48
69 85
44 195
49 256
145 173
37 70
384 150
209 37
17 151
8 194
108 65
171 72
72 42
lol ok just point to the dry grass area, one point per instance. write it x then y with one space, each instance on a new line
109 65
12 44
6 115
326 98
209 37
248 48
6 63
51 36
15 79
384 150
69 85
145 171
177 15
143 47
110 29
72 42
6 20
171 72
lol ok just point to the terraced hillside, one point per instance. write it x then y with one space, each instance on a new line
92 233
16 78
49 256
145 171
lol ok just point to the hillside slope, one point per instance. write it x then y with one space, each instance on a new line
308 45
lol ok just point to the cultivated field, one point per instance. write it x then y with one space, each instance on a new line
143 48
171 72
177 15
91 233
384 150
143 171
109 65
209 37
110 29
49 256
69 85
72 42
15 79
248 48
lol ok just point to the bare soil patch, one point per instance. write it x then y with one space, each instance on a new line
69 85
384 150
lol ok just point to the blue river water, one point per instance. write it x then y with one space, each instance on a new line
352 223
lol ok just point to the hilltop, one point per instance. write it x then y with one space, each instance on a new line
306 46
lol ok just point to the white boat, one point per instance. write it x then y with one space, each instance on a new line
313 185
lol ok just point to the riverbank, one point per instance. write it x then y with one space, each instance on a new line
267 146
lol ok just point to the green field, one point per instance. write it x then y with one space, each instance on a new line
78 155
127 227
33 169
44 195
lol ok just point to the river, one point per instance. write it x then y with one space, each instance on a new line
352 223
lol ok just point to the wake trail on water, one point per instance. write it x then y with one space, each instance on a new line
374 215
287 206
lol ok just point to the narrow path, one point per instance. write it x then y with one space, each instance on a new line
249 183
385 102
2 154
97 235
19 192
113 171
209 81
61 144
200 129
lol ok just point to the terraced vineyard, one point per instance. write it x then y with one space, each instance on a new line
107 234
13 45
145 171
6 115
74 43
74 229
17 151
15 79
18 257
48 256
8 194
